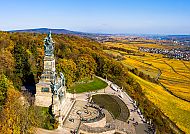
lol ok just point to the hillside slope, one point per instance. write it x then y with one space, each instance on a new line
78 58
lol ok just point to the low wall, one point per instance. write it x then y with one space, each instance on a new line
107 132
100 123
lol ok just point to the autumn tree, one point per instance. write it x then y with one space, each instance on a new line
17 116
68 67
22 67
6 63
3 89
86 66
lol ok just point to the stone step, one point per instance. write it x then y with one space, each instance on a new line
66 106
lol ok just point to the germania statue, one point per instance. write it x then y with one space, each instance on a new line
48 45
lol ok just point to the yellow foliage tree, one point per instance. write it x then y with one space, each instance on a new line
16 115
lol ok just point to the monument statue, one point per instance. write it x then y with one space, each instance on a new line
48 45
50 90
53 87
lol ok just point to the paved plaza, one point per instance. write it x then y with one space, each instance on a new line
72 123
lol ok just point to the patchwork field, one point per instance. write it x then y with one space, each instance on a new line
175 77
175 74
176 109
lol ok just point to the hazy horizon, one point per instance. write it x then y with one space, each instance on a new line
98 16
93 32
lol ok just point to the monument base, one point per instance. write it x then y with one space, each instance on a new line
43 96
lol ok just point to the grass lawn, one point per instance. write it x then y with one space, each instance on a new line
96 84
113 104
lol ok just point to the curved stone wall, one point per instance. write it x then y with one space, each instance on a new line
100 123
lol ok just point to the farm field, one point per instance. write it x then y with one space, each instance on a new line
176 109
175 74
134 45
175 77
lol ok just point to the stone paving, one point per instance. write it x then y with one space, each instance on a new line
135 119
73 120
134 125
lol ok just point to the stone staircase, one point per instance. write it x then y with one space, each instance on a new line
65 107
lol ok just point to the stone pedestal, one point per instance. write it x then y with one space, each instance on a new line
49 63
43 95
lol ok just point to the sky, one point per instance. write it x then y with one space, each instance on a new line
98 16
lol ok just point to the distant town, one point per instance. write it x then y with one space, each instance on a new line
179 53
180 43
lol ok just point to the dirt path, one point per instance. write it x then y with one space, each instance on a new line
185 65
175 70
